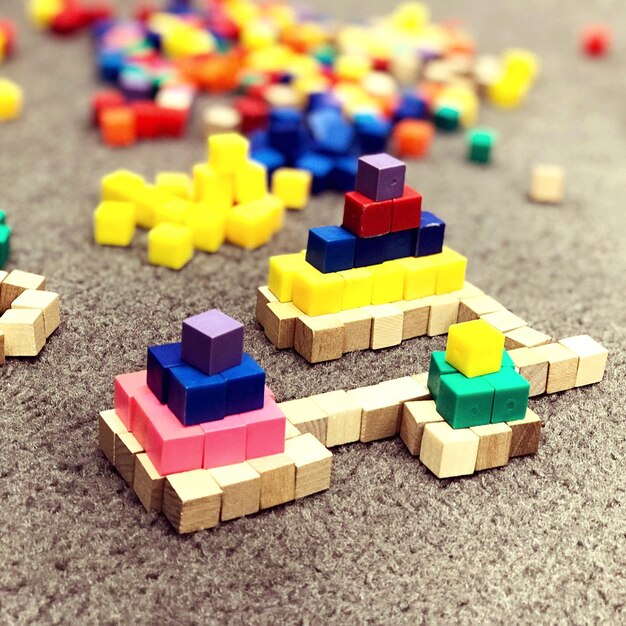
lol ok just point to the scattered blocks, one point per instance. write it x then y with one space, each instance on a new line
47 302
596 40
292 186
23 331
170 245
547 185
114 223
480 144
15 283
11 100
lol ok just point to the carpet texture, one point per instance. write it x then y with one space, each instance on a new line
540 541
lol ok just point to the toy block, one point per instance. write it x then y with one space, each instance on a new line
15 283
174 184
173 210
24 332
212 342
320 338
330 249
562 366
380 177
280 323
2 356
307 416
413 138
263 297
596 40
241 489
474 348
406 210
283 268
254 114
320 167
118 126
547 184
227 152
213 189
344 417
265 430
504 321
387 325
494 445
128 387
315 293
170 245
5 244
148 484
380 412
278 479
369 251
365 217
245 386
415 318
195 397
447 118
415 416
451 268
592 358
444 311
250 182
114 223
291 431
465 402
510 400
422 379
292 186
126 448
251 225
525 337
109 427
526 434
121 186
405 389
220 118
171 446
467 291
533 367
447 452
224 441
388 282
358 286
431 235
400 244
474 307
192 501
11 100
420 277
208 228
480 143
46 301
313 463
357 330
439 367
272 159
147 119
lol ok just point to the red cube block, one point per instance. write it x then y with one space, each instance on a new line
596 40
366 218
105 99
407 210
147 119
254 114
68 21
95 11
7 28
172 121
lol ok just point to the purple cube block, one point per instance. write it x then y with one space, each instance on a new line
212 342
380 177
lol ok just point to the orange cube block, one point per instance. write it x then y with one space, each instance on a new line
118 126
412 138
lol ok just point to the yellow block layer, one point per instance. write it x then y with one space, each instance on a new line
388 282
451 268
420 277
283 268
315 293
359 284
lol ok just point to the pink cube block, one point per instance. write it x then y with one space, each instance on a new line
224 442
265 430
269 393
127 386
171 447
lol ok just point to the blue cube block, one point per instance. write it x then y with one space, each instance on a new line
331 249
110 64
372 133
161 359
431 233
369 251
323 100
286 117
411 106
258 139
331 133
195 397
284 138
400 244
320 167
343 175
270 158
245 386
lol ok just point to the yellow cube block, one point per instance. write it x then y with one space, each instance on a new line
292 186
250 225
359 284
276 208
228 152
121 185
184 41
11 99
283 268
114 223
315 293
42 12
208 228
146 200
173 211
521 63
352 66
215 190
170 245
174 184
388 282
475 348
451 268
250 182
508 92
420 277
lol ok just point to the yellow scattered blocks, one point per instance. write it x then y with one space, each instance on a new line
292 186
252 224
228 152
114 223
174 210
11 100
174 184
208 228
475 348
170 245
250 182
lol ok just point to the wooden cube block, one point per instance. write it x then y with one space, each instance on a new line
306 416
422 379
126 447
592 358
24 332
278 479
358 329
3 275
444 310
494 445
2 359
380 412
387 324
547 184
263 297
319 338
241 489
46 301
415 321
562 366
280 323
148 484
109 427
504 321
405 389
525 337
290 430
449 452
473 307
192 500
415 415
313 463
16 282
525 434
533 367
468 291
344 417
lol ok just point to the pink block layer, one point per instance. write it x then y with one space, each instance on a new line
224 442
126 387
265 430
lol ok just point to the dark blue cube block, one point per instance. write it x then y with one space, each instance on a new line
431 233
195 397
161 359
400 244
331 249
321 168
245 386
369 251
411 106
372 133
330 131
343 176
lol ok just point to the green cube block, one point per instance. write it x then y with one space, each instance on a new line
447 118
5 244
465 402
3 217
438 368
511 391
507 361
480 142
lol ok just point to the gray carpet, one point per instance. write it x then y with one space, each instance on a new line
542 540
